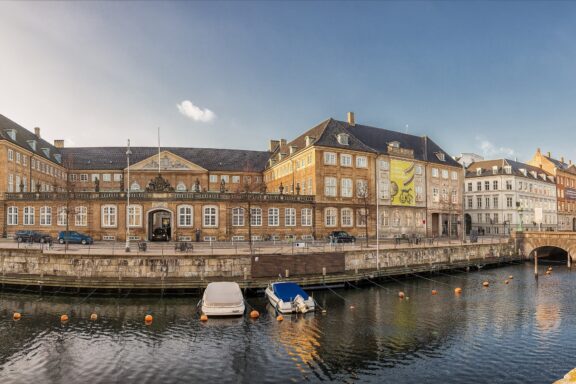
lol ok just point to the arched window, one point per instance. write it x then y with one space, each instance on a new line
109 214
12 216
81 216
238 217
185 216
45 215
330 217
210 216
135 187
181 187
135 215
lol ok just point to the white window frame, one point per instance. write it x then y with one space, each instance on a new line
109 218
330 158
12 214
256 216
445 174
135 216
330 217
106 177
435 172
83 177
181 187
362 188
347 217
210 216
290 217
273 217
45 215
117 177
61 216
10 155
346 187
213 178
237 217
330 186
306 217
235 179
345 160
28 216
361 162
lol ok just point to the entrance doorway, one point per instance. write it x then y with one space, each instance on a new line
159 220
435 224
468 223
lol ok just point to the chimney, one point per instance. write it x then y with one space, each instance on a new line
562 159
37 132
282 142
59 143
570 162
273 144
351 120
549 154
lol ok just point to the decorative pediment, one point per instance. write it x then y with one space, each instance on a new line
168 162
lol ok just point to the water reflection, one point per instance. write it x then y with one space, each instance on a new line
367 335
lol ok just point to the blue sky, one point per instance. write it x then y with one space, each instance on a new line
495 78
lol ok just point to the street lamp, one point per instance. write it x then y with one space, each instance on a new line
519 208
128 153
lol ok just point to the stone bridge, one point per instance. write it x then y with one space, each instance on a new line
528 242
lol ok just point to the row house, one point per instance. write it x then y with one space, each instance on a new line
504 195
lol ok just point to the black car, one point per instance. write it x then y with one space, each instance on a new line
32 237
160 234
341 237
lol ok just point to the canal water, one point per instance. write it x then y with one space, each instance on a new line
522 332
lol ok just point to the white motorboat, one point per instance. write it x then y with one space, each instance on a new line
288 297
223 299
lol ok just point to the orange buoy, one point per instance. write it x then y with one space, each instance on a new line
401 294
16 316
485 284
93 317
550 268
280 318
510 277
254 314
204 317
506 281
457 290
351 307
148 318
64 318
434 292
548 272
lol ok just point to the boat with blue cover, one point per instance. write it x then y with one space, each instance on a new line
289 297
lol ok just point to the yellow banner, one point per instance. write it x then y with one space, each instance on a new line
402 183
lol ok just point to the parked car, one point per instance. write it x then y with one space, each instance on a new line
341 237
160 234
73 237
32 237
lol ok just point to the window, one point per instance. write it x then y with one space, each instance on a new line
346 190
10 155
256 217
454 197
454 175
384 219
419 192
342 138
181 187
108 216
81 216
117 177
361 188
495 185
330 216
435 172
384 165
418 170
25 184
361 217
247 179
495 202
346 217
486 185
24 160
95 176
479 202
478 171
18 189
213 178
18 157
106 177
10 183
487 202
224 178
306 218
508 201
84 177
330 186
28 216
346 160
385 189
509 185
329 158
236 179
46 216
488 220
237 217
478 185
495 218
273 217
12 216
135 187
290 217
210 216
470 205
361 162
62 217
441 156
469 187
445 174
508 169
435 195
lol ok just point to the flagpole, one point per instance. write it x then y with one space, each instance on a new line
158 150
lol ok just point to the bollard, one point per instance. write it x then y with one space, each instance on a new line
245 274
287 273
569 261
536 264
323 271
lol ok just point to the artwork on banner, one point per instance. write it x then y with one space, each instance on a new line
402 183
570 193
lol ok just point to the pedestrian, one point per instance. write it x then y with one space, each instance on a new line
197 235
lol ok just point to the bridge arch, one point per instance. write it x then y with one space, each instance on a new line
528 242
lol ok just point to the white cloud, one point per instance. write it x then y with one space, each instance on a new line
489 150
188 109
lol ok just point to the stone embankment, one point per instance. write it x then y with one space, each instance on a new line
33 267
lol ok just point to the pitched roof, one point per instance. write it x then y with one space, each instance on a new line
114 158
515 169
23 138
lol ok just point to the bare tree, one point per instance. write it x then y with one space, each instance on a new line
364 195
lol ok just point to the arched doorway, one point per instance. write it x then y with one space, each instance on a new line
159 220
467 223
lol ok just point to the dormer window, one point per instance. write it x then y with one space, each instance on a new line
46 151
441 156
11 133
478 171
508 169
342 138
32 144
524 172
394 144
58 158
495 170
309 140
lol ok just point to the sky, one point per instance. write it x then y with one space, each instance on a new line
493 78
